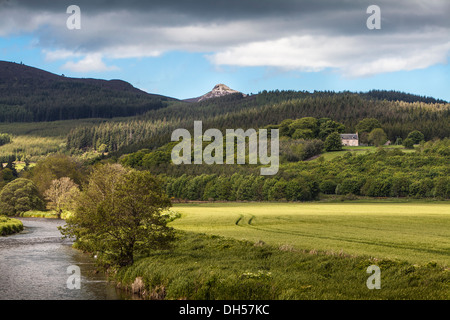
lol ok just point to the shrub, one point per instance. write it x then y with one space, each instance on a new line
408 143
4 139
416 136
377 137
19 196
442 188
298 190
312 148
422 188
350 185
328 187
400 185
9 226
333 142
378 187
278 190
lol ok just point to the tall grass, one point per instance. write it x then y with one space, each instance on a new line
9 226
208 267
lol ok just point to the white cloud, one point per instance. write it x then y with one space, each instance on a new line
90 63
133 51
352 56
61 54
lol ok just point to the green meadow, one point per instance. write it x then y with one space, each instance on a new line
358 151
299 251
417 232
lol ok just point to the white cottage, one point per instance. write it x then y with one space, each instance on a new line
350 139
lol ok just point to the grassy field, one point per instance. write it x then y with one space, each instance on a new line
31 146
359 150
417 232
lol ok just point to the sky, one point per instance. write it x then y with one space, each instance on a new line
182 49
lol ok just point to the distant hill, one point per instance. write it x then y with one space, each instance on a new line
28 94
219 90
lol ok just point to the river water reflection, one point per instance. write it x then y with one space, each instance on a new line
33 266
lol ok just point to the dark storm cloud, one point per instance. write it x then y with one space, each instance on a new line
238 31
331 15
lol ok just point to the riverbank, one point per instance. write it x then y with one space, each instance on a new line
306 251
209 267
9 226
49 214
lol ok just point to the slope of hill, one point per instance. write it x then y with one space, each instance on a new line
29 94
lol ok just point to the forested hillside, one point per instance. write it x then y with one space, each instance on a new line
28 94
152 130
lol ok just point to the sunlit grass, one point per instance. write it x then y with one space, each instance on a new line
415 232
50 214
359 150
31 146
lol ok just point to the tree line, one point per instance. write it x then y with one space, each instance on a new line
385 173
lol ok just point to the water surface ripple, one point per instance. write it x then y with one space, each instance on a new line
33 266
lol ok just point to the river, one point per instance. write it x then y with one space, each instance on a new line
34 266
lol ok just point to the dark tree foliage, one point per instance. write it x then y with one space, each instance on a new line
391 173
416 136
333 142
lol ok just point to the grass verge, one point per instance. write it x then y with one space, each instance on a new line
209 267
52 214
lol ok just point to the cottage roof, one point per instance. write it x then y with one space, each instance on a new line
349 136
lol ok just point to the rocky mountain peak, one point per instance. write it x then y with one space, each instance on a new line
219 90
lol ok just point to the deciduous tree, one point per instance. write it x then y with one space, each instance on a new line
61 193
19 196
119 215
333 142
377 137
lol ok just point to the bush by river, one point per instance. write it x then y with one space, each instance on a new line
9 226
51 214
